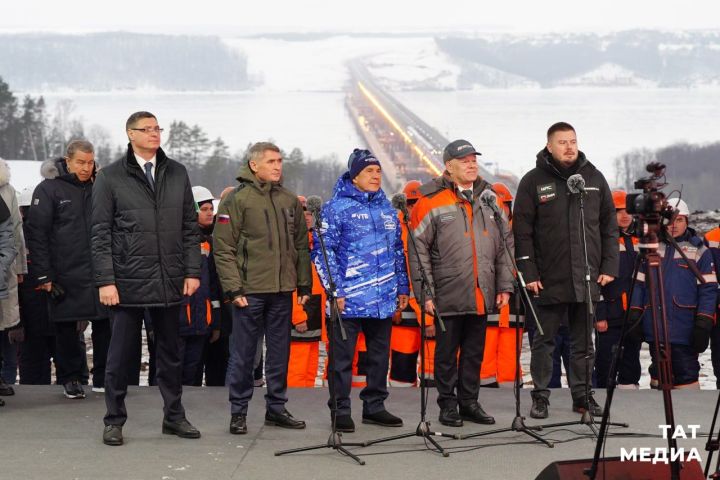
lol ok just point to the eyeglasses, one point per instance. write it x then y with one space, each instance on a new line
149 130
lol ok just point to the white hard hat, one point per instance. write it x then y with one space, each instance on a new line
25 197
679 205
201 194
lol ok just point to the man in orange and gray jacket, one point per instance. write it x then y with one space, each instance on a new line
462 252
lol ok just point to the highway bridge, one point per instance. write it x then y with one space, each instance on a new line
407 146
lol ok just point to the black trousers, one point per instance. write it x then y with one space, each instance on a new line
34 357
543 346
126 323
458 378
377 359
216 359
70 356
101 342
192 348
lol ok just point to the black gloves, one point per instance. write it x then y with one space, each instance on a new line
701 333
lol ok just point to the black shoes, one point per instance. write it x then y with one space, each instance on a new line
539 407
475 413
450 417
74 390
5 389
382 418
344 423
283 419
2 402
112 435
182 428
580 406
238 424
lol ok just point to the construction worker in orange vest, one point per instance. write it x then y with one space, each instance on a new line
307 323
405 337
712 242
498 364
200 317
610 311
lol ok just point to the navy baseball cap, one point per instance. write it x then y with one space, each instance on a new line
459 149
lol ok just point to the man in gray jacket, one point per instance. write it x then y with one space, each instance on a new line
462 252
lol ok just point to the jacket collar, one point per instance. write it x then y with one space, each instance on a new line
130 162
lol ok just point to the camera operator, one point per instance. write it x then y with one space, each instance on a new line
690 305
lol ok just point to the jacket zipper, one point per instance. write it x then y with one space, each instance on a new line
267 223
276 219
157 229
245 259
287 231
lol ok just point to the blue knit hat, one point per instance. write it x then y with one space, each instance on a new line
359 159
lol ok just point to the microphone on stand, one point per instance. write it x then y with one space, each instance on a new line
489 199
399 202
576 183
314 205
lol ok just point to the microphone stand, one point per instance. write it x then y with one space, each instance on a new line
423 428
586 418
335 440
518 423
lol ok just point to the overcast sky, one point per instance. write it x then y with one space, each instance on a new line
253 16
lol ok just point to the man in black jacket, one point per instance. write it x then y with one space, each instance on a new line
145 250
549 251
59 238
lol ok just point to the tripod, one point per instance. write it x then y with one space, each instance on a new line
518 423
656 292
713 444
335 440
423 428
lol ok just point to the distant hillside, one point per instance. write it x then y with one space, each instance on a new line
694 168
120 61
624 59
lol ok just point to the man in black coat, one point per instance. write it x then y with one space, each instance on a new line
59 238
549 252
145 249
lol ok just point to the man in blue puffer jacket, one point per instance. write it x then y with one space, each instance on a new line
367 262
690 305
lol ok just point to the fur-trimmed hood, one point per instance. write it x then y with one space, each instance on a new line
51 168
4 173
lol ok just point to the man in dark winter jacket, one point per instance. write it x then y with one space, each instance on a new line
145 251
59 238
262 256
463 252
549 252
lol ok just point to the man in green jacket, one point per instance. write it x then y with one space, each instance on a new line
262 257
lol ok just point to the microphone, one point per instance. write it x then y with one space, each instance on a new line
489 199
399 202
313 204
576 183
